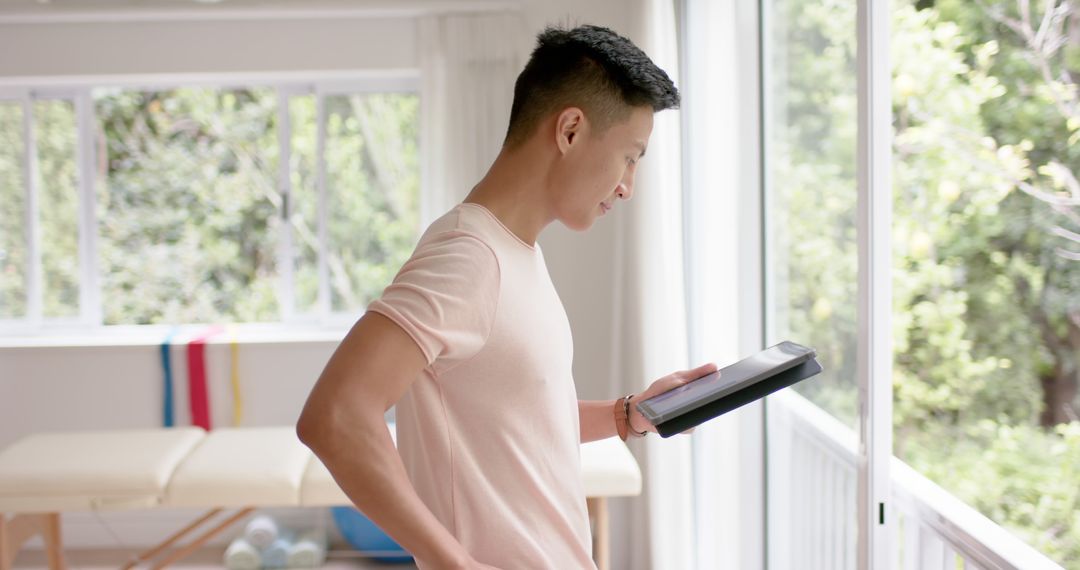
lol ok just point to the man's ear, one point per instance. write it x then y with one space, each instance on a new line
568 128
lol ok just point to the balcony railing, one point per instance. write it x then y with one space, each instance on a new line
813 513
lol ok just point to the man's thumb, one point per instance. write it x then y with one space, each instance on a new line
695 373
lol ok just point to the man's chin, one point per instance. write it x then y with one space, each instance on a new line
580 224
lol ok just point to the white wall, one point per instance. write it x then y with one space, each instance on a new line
63 387
60 388
205 46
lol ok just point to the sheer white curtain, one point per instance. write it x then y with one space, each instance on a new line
655 531
469 62
724 253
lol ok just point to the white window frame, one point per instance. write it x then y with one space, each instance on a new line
78 91
748 262
873 361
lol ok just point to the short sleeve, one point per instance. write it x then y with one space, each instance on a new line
445 297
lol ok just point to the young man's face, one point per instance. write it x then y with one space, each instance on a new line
598 168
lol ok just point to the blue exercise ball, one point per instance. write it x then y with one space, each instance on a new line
365 536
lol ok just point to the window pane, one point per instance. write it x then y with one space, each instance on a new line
305 203
13 262
811 277
986 295
373 188
189 211
58 211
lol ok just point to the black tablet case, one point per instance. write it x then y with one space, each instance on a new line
738 399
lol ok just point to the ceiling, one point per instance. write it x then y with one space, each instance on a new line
34 9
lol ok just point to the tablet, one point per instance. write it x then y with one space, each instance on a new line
753 377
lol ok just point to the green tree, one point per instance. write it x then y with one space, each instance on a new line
1038 62
983 297
191 214
13 261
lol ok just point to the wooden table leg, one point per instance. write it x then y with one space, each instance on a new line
195 544
16 531
171 540
7 549
54 545
598 512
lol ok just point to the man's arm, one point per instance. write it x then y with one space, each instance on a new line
342 422
597 417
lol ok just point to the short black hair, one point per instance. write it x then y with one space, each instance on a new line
589 67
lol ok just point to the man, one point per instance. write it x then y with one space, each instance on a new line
472 344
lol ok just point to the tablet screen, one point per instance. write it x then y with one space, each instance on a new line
746 371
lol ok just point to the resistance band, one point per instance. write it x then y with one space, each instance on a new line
238 403
168 419
199 398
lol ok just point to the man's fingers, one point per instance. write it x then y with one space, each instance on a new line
695 373
677 379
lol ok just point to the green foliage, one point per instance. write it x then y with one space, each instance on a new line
186 206
12 205
58 207
189 207
1020 476
946 212
374 168
981 299
192 187
976 275
812 191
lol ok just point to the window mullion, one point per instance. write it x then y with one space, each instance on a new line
287 295
35 273
90 301
874 226
320 146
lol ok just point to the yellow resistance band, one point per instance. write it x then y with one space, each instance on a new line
238 402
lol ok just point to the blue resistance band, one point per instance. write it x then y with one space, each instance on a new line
166 365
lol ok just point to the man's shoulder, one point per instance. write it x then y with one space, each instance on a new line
460 227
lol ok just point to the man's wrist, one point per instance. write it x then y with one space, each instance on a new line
623 425
640 428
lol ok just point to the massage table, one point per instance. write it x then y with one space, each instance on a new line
44 475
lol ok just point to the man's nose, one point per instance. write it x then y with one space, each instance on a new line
625 190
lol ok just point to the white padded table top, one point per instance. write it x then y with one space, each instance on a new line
79 471
609 469
239 467
228 468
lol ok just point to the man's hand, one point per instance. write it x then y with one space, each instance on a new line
673 380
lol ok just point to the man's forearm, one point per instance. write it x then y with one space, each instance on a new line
368 468
597 419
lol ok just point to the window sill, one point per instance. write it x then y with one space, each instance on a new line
154 335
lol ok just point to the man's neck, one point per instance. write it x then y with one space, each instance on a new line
515 191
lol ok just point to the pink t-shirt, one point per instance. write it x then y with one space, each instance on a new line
489 431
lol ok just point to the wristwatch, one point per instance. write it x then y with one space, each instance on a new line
622 419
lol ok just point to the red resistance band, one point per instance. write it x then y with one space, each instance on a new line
198 396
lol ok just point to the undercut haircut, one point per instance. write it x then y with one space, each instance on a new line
589 67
